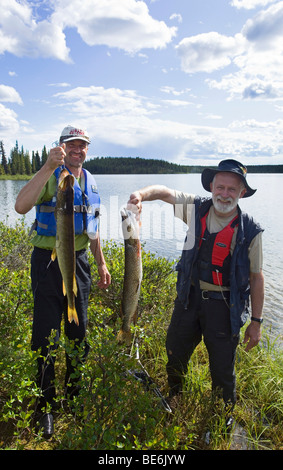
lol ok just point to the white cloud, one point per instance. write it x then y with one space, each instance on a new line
208 52
214 117
177 103
243 86
9 94
266 28
100 101
176 16
126 120
257 52
126 24
171 90
9 125
21 35
60 84
250 4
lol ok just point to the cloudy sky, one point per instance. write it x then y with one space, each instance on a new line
188 81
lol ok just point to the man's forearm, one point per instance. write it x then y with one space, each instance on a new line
257 294
151 193
29 194
97 252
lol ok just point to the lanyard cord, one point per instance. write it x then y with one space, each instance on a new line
221 290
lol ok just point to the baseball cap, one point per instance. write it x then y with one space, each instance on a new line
71 133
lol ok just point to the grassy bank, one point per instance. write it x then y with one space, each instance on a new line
118 413
16 177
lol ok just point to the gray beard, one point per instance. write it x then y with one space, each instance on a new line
224 208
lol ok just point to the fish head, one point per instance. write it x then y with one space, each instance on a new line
130 225
66 180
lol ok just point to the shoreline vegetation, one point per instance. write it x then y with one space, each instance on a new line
132 166
21 166
137 165
114 411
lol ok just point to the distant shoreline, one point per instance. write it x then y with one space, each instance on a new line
137 165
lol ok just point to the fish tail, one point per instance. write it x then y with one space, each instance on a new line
53 254
72 315
124 337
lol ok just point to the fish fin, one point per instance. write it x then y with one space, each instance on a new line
64 288
72 315
124 337
75 287
53 254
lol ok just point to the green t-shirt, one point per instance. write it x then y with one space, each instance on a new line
48 243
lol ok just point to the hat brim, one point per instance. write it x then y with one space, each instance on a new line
209 173
68 139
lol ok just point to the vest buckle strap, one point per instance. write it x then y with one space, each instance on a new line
81 208
87 209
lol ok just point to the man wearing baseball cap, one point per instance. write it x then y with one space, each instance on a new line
219 271
72 133
49 301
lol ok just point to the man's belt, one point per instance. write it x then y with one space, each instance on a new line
209 294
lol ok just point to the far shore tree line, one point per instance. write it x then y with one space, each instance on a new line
20 162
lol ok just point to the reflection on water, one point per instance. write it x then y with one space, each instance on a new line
164 235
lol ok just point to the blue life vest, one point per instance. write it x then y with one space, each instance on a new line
86 209
239 266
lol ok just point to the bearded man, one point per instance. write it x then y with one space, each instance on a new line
219 272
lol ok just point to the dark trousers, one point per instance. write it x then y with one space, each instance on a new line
210 320
49 307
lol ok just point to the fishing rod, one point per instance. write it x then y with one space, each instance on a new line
144 377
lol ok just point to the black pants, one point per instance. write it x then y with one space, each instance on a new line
49 306
209 319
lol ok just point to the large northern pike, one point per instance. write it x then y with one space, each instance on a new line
132 274
65 240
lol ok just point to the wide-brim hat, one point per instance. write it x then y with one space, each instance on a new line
73 133
227 166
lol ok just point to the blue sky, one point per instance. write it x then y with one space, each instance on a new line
188 81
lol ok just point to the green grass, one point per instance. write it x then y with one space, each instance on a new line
16 177
118 413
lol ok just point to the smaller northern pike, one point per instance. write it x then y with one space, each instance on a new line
65 240
132 274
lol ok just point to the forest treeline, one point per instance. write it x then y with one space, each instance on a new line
137 165
20 162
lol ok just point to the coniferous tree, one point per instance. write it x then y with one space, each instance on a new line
21 167
33 162
15 160
27 162
4 162
37 162
44 155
